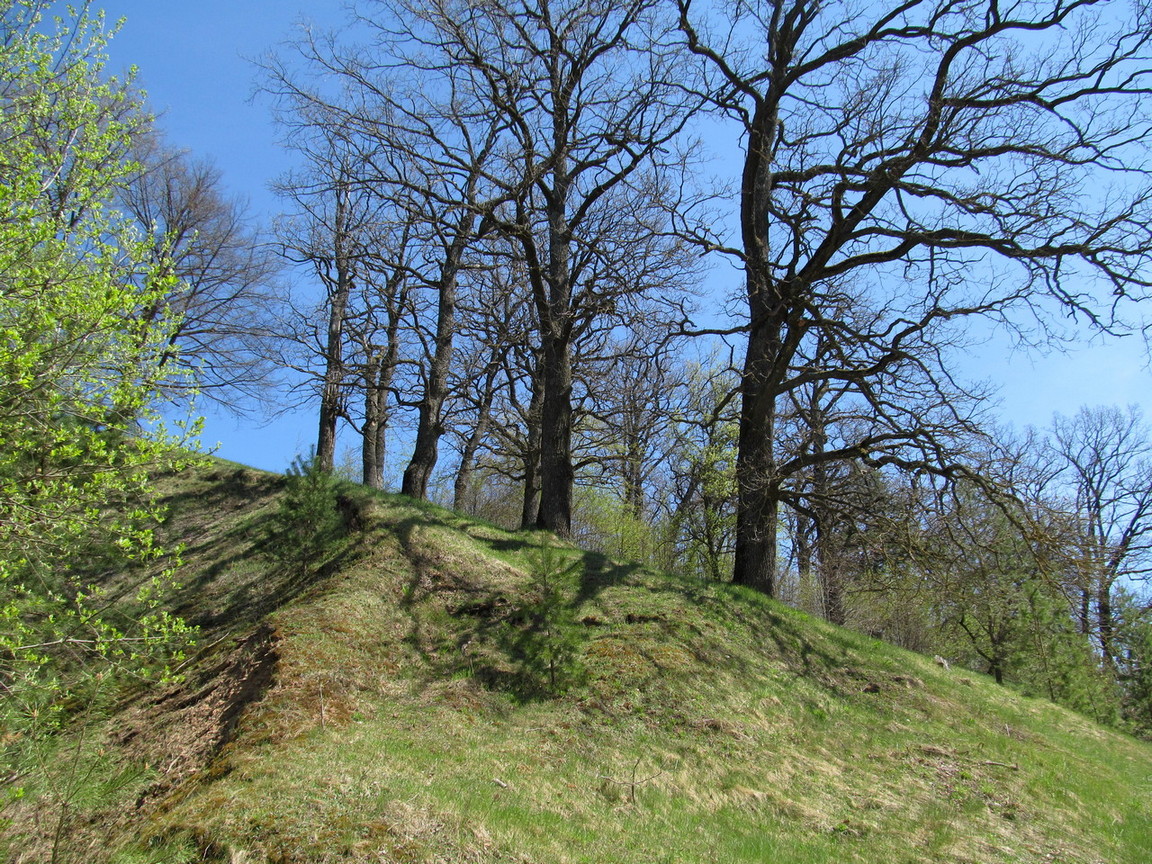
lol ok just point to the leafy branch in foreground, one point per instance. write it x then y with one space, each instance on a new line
80 342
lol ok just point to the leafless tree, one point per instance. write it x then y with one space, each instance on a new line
380 331
497 322
1101 459
592 101
635 397
423 144
453 231
225 274
936 161
355 243
545 123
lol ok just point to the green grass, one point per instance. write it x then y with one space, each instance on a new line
445 691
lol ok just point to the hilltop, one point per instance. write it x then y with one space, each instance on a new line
436 689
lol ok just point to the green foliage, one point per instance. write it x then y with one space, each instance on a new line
982 573
307 522
82 342
991 580
1052 659
546 640
72 777
606 523
704 522
1134 663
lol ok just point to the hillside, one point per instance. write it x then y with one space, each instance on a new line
440 690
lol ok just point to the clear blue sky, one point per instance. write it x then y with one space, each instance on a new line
194 61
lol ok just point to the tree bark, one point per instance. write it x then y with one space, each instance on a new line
531 501
757 502
463 482
377 381
431 411
331 393
556 472
757 490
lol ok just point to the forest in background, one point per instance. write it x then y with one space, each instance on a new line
501 229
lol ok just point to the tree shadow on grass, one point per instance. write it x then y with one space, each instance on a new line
599 572
240 588
519 637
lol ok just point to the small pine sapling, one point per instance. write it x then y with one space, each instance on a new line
308 521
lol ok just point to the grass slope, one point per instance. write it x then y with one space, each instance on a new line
445 691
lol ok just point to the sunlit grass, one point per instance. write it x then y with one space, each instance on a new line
428 708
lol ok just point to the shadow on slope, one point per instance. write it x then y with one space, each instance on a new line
446 691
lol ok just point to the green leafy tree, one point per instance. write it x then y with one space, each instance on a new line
1134 661
993 577
702 518
79 374
983 570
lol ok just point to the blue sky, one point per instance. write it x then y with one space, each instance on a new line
195 62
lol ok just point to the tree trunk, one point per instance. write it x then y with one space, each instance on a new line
757 493
1107 624
332 385
375 424
996 670
556 472
531 503
430 425
757 502
554 311
329 415
633 470
802 548
426 452
379 374
468 456
830 549
833 589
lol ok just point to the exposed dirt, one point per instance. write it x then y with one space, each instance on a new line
188 726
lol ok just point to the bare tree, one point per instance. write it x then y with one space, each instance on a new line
336 230
591 100
224 272
1102 463
380 332
936 161
424 144
544 122
453 231
497 321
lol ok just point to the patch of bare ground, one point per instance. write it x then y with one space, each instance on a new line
182 730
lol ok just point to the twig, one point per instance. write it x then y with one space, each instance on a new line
1001 764
633 783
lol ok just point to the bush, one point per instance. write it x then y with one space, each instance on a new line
544 637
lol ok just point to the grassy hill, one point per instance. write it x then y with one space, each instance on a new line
439 690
